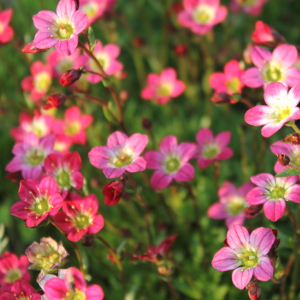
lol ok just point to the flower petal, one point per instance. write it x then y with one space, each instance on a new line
225 259
160 180
241 277
237 236
264 271
262 239
274 210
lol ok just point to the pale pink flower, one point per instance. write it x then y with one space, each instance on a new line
252 7
212 148
61 28
201 15
39 83
281 108
121 154
163 87
272 67
6 31
273 192
246 254
30 155
230 81
231 205
171 162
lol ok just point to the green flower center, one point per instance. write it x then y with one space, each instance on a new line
72 128
103 59
204 14
295 159
172 164
248 258
277 193
81 221
233 85
63 178
281 113
236 206
76 295
90 9
47 260
65 28
123 158
210 150
41 206
13 275
35 157
273 72
42 82
164 90
38 126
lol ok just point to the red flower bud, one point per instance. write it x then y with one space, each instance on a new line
55 101
180 50
14 177
254 291
71 76
225 243
177 7
113 192
283 159
253 210
138 42
146 123
222 98
293 138
30 48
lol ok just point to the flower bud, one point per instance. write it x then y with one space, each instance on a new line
71 76
283 159
14 177
55 101
113 192
180 50
253 210
177 7
222 98
30 48
138 42
254 291
146 123
87 240
293 138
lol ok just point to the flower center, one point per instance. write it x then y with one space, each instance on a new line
65 28
13 275
273 72
172 164
42 82
236 206
41 206
277 192
38 126
63 178
210 150
124 158
281 113
103 59
233 85
204 14
47 260
82 220
295 159
248 258
75 295
164 89
90 9
35 156
72 128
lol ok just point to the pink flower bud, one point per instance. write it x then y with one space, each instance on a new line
55 101
254 291
180 50
30 48
71 76
253 210
222 98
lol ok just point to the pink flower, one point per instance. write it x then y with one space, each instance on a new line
292 151
39 124
171 162
252 7
106 55
231 205
39 83
38 201
65 170
210 148
121 154
272 192
79 217
73 125
95 8
61 28
6 32
230 81
12 268
201 15
281 107
163 87
272 67
30 155
246 255
21 290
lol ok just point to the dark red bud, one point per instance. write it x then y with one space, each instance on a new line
146 123
225 243
254 291
14 177
55 101
71 76
138 42
275 232
87 240
113 192
177 7
77 4
283 159
293 138
253 210
180 50
30 48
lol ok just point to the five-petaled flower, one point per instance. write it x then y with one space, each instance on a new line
20 290
6 31
252 7
246 255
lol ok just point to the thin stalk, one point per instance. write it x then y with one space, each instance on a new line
171 288
294 126
216 166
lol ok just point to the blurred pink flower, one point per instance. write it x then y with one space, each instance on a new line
171 162
163 87
6 31
61 28
21 290
201 15
121 154
252 7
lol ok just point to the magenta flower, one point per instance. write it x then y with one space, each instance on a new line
121 154
163 87
21 290
73 125
231 205
252 7
61 28
12 268
210 148
79 217
246 255
281 107
272 192
30 155
230 81
39 124
171 162
65 170
272 67
39 83
38 201
71 282
6 31
201 15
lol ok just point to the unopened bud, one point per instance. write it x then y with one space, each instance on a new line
30 48
180 50
146 123
87 240
254 291
177 7
71 76
225 243
283 159
138 42
55 101
222 98
293 138
253 210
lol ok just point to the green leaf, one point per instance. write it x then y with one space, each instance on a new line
289 172
107 115
106 82
91 37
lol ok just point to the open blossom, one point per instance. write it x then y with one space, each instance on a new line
281 107
246 254
201 15
121 154
39 83
73 125
231 205
163 87
30 155
230 81
38 201
272 67
252 7
40 124
65 170
21 290
212 148
171 162
79 217
273 192
61 28
12 268
6 31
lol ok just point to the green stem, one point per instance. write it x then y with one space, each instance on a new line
294 126
171 288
